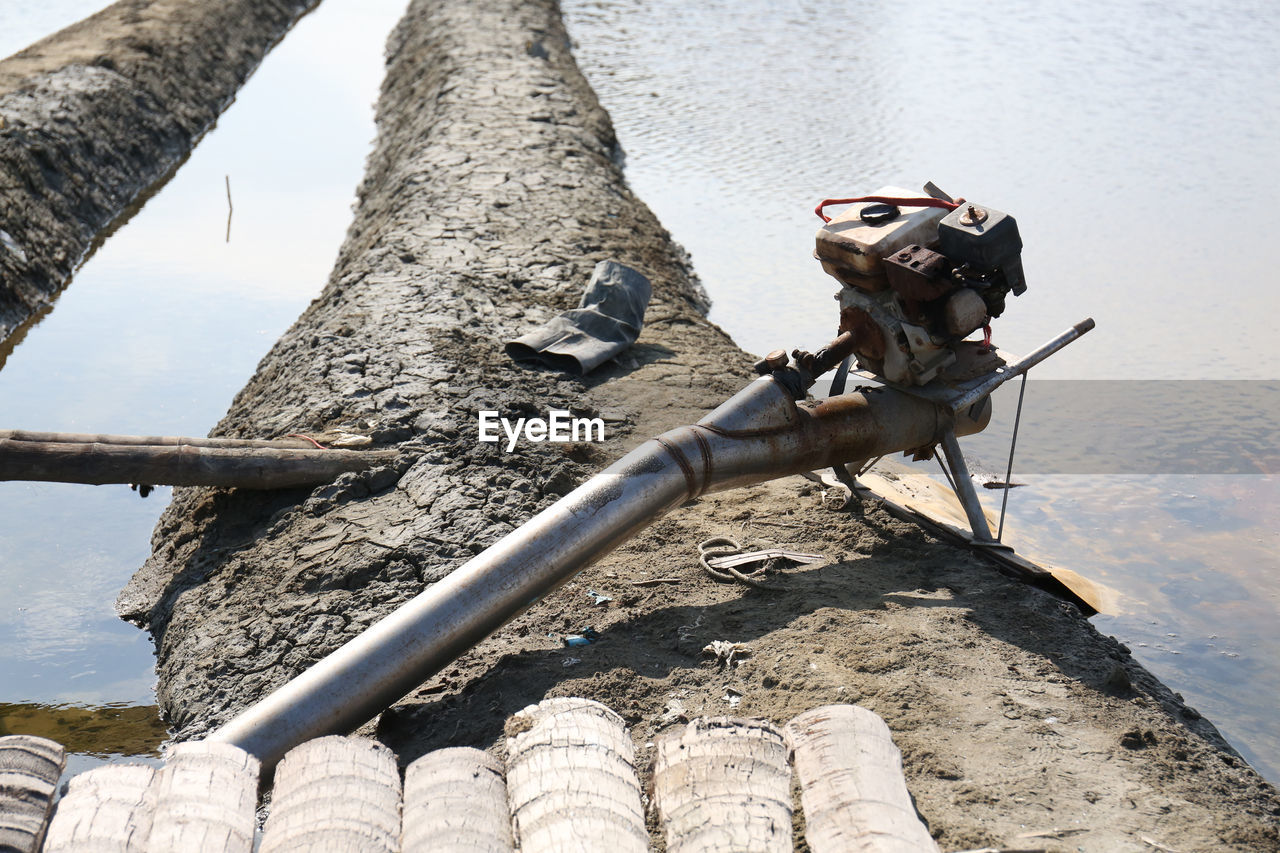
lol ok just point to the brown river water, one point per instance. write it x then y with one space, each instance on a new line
1133 142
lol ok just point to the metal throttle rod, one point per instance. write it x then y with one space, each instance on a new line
1021 366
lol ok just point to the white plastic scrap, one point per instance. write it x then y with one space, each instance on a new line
12 246
762 557
725 651
675 712
349 440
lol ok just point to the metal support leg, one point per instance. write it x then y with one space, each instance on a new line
841 472
850 482
964 489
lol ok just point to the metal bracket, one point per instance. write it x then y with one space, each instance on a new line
965 491
956 396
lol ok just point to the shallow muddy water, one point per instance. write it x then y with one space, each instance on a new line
1133 144
160 328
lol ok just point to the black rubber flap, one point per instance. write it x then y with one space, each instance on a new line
606 322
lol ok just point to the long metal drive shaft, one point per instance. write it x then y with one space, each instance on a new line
759 434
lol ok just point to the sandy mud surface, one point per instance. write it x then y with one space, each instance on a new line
493 190
94 115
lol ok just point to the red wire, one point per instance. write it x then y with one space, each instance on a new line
879 199
306 438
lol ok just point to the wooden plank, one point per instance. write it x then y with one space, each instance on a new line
917 499
180 465
571 779
29 771
853 792
105 810
335 793
723 785
455 801
206 798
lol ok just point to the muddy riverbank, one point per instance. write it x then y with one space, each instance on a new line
96 114
493 190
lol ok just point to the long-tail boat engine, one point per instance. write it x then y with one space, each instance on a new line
919 274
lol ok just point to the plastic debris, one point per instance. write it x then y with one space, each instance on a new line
675 712
350 440
725 652
10 244
585 637
762 557
599 597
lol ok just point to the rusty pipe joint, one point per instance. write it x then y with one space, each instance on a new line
761 433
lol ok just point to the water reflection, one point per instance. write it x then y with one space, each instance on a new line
99 731
1109 131
19 334
67 551
1199 560
1113 133
155 335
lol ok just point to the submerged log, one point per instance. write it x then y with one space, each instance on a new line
173 461
98 113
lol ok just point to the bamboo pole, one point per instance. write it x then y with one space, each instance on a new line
335 793
723 784
29 771
184 462
150 440
852 788
105 810
205 797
